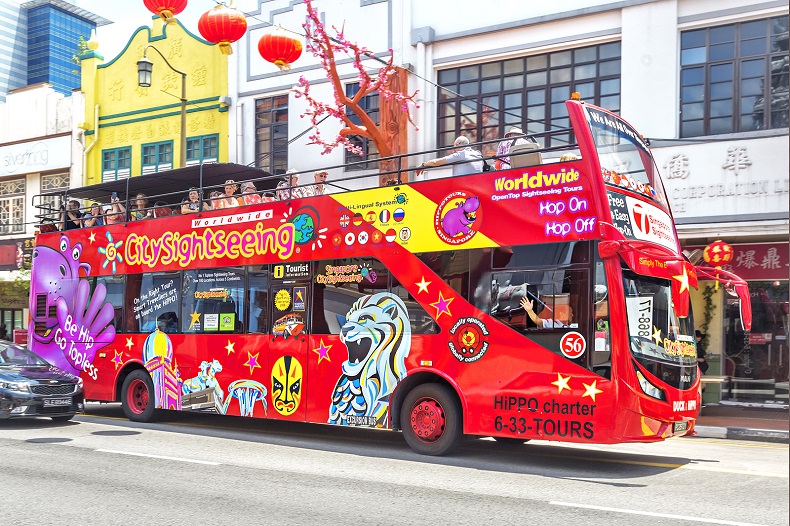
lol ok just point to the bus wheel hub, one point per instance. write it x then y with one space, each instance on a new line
427 420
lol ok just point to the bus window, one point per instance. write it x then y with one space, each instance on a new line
213 300
421 321
602 357
452 266
152 301
114 286
544 255
338 283
258 284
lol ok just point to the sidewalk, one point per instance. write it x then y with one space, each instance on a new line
741 422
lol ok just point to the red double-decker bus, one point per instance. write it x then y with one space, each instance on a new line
547 301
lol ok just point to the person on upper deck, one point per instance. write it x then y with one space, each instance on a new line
318 188
249 194
72 217
513 137
229 199
192 204
140 208
93 217
286 190
465 160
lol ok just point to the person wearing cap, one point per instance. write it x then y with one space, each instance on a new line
286 189
229 199
513 136
464 159
191 204
249 194
93 217
318 188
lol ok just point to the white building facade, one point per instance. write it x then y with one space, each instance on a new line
706 81
40 151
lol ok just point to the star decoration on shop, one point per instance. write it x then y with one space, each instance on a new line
129 343
657 335
591 390
252 361
561 383
92 237
323 351
683 279
230 347
117 359
442 305
194 318
422 285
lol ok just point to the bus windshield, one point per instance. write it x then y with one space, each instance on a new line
655 331
624 157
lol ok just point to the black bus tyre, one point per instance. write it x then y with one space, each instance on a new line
431 419
137 397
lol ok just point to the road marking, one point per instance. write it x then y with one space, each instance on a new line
162 457
653 514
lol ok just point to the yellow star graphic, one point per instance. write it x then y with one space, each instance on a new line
561 383
229 347
423 285
92 237
195 319
129 343
657 335
591 390
683 279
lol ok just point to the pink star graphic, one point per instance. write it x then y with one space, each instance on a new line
252 361
442 305
323 351
117 359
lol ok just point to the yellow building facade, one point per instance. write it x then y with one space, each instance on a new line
132 130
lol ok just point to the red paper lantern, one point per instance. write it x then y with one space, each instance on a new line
280 48
222 26
717 254
167 9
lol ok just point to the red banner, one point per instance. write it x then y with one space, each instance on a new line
758 261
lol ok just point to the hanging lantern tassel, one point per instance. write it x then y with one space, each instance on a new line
166 9
717 254
279 48
222 26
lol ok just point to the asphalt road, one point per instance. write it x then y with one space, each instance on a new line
201 469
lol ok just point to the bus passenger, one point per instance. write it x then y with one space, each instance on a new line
192 203
540 322
72 217
465 160
317 188
93 217
286 190
138 210
229 198
513 137
249 194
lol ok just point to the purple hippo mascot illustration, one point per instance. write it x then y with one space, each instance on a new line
457 220
68 325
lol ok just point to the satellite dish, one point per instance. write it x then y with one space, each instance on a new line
694 256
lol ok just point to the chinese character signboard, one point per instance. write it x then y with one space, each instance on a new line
759 261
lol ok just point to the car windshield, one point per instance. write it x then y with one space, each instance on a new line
656 333
11 355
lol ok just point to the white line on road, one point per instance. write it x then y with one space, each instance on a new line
177 459
653 514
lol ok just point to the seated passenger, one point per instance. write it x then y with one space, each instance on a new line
140 208
569 157
513 137
249 194
72 217
229 198
191 204
541 322
94 216
286 189
465 160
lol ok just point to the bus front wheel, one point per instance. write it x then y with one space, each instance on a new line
137 397
431 419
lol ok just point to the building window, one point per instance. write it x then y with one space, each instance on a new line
271 134
202 150
483 100
157 157
734 78
12 206
116 164
370 104
53 184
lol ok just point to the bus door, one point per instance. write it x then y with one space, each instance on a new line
290 294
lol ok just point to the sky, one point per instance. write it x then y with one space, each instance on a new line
128 15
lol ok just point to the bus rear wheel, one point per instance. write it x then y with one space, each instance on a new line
137 397
431 419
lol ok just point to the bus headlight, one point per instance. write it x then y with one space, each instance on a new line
648 388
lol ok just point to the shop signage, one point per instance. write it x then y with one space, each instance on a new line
16 254
726 179
36 156
757 261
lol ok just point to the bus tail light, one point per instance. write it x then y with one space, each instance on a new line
648 388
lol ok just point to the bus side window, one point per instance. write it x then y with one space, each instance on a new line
258 281
152 301
420 321
213 301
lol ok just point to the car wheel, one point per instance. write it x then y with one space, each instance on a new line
62 418
431 419
137 397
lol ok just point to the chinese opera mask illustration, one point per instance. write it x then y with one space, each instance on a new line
286 385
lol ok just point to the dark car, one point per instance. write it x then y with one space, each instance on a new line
30 387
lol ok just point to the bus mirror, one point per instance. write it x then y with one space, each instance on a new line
600 293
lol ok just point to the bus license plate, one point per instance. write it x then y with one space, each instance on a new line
57 402
680 427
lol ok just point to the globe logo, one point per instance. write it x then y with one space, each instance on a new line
304 226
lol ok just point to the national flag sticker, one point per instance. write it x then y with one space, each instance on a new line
344 220
350 238
370 217
399 215
390 235
384 216
357 219
362 237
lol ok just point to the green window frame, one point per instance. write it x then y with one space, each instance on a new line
157 157
116 163
203 149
